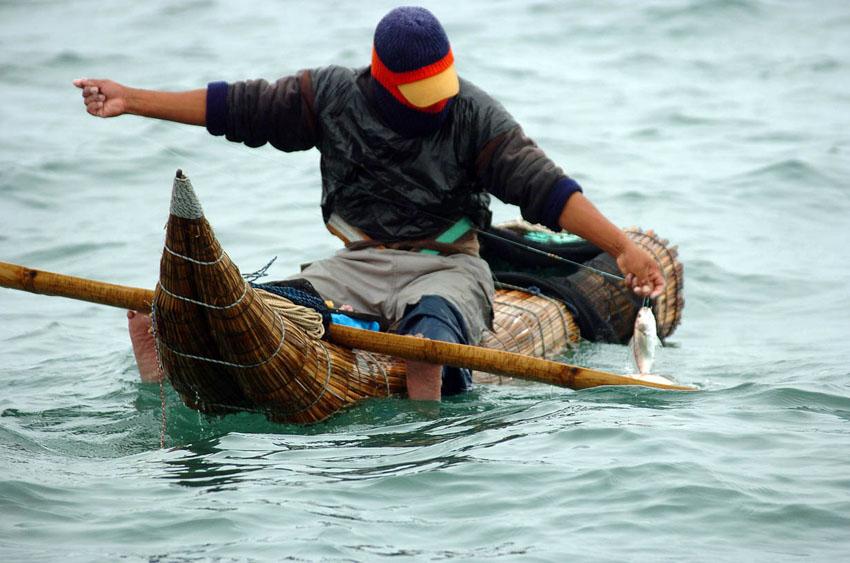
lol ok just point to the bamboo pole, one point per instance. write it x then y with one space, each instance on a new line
486 359
41 282
13 276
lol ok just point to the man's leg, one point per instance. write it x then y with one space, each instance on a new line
424 381
144 347
435 318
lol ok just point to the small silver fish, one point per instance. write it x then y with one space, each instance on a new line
644 341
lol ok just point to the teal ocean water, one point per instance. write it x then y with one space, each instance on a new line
721 124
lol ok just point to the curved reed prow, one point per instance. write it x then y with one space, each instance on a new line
225 349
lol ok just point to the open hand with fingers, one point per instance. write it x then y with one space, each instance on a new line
103 98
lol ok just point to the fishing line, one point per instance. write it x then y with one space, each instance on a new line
554 257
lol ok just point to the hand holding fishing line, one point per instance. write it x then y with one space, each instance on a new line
643 275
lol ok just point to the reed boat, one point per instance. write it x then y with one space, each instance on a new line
226 345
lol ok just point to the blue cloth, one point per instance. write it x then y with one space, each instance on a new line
217 108
435 318
345 320
558 197
404 120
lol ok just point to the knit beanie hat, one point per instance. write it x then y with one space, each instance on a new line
412 70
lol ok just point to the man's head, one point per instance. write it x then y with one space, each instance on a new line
413 61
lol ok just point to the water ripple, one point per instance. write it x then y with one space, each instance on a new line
722 123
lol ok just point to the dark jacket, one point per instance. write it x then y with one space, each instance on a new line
390 186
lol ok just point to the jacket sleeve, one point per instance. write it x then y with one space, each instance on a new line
256 112
514 169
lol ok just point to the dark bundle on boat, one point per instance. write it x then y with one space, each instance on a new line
226 346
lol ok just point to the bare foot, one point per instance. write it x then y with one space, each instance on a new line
144 348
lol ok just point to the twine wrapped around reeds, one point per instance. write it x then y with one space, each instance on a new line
534 325
224 348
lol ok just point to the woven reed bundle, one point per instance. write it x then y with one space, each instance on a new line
617 305
534 325
182 329
528 324
224 349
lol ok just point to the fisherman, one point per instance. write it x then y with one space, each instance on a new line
410 155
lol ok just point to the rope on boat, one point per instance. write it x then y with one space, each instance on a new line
201 303
192 260
559 303
163 423
231 364
261 273
541 329
162 427
326 387
309 320
373 364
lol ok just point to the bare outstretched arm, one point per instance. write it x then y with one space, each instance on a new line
642 273
105 98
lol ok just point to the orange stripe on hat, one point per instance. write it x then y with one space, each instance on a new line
391 80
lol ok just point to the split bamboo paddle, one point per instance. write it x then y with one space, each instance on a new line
510 364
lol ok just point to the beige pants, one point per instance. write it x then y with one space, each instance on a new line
384 282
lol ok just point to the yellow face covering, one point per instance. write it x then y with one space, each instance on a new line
429 91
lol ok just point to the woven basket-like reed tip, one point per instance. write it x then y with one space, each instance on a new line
184 202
